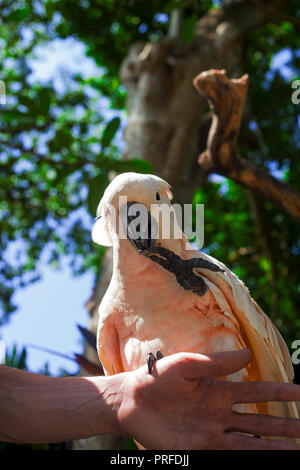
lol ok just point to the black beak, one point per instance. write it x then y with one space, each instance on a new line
139 226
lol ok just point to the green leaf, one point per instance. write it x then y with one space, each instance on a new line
188 28
97 187
19 15
110 131
286 26
13 355
174 5
45 99
136 165
22 360
131 445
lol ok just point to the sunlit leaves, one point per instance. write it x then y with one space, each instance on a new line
54 144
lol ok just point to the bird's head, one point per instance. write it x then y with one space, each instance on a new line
125 208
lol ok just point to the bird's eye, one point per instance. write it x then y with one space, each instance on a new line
157 197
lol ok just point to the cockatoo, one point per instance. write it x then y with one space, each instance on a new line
166 297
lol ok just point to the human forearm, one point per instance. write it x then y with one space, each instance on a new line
35 408
179 406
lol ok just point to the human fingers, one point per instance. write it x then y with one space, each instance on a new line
264 425
212 365
193 365
254 392
240 442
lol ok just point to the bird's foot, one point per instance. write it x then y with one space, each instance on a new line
151 359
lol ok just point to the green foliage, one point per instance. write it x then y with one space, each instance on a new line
55 154
16 359
131 445
121 24
109 132
96 190
188 28
109 28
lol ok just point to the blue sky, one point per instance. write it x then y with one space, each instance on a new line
49 310
47 316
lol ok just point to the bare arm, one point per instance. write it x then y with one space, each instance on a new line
179 406
35 408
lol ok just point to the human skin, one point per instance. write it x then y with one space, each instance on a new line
183 404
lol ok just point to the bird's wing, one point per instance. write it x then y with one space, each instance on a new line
271 359
109 347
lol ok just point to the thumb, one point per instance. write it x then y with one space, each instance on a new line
193 366
225 363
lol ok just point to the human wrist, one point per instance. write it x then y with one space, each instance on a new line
111 390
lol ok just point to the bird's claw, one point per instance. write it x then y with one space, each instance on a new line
151 359
159 355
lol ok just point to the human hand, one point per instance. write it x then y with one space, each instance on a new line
182 405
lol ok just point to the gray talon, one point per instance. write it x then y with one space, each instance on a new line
150 361
159 355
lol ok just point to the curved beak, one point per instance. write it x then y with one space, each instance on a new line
140 226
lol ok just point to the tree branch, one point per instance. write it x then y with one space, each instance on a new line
226 98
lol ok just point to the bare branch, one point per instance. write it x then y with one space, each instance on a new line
226 98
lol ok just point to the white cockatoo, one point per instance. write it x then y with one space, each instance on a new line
166 297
